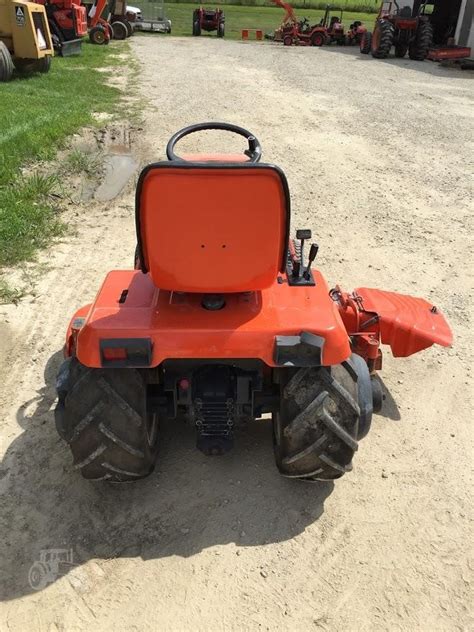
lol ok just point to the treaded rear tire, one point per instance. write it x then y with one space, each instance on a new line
119 30
418 51
322 416
366 43
101 414
385 39
6 63
317 39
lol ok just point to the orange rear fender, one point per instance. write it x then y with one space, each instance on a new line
176 326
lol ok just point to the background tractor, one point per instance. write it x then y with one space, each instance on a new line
334 26
67 21
403 27
208 20
294 31
355 33
25 38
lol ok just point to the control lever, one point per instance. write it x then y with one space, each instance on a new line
313 253
302 235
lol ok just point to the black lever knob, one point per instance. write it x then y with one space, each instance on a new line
313 253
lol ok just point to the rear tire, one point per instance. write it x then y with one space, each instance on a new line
130 28
119 30
97 36
418 51
101 414
366 43
324 411
382 39
318 39
221 29
27 66
288 40
6 63
196 23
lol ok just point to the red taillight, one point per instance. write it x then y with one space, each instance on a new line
114 353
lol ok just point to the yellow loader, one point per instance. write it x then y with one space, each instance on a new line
25 39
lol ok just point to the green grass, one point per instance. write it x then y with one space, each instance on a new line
267 18
37 113
9 294
79 161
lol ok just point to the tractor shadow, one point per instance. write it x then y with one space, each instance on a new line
191 502
428 67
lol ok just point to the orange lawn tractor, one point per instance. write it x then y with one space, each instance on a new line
208 20
299 32
223 320
403 27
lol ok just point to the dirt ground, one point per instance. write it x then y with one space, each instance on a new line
377 156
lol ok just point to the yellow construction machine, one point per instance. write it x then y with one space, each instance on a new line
25 39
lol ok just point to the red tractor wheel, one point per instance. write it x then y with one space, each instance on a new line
382 39
98 36
366 43
288 40
318 39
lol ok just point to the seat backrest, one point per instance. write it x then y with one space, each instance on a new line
212 228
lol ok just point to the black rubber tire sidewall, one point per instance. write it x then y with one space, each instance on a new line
324 456
6 64
101 414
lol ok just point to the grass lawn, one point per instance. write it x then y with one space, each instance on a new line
267 18
37 113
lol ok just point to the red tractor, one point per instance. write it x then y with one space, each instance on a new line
334 27
355 33
67 21
293 31
225 320
400 27
303 34
100 29
208 20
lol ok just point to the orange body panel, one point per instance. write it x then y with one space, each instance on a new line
209 230
179 327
